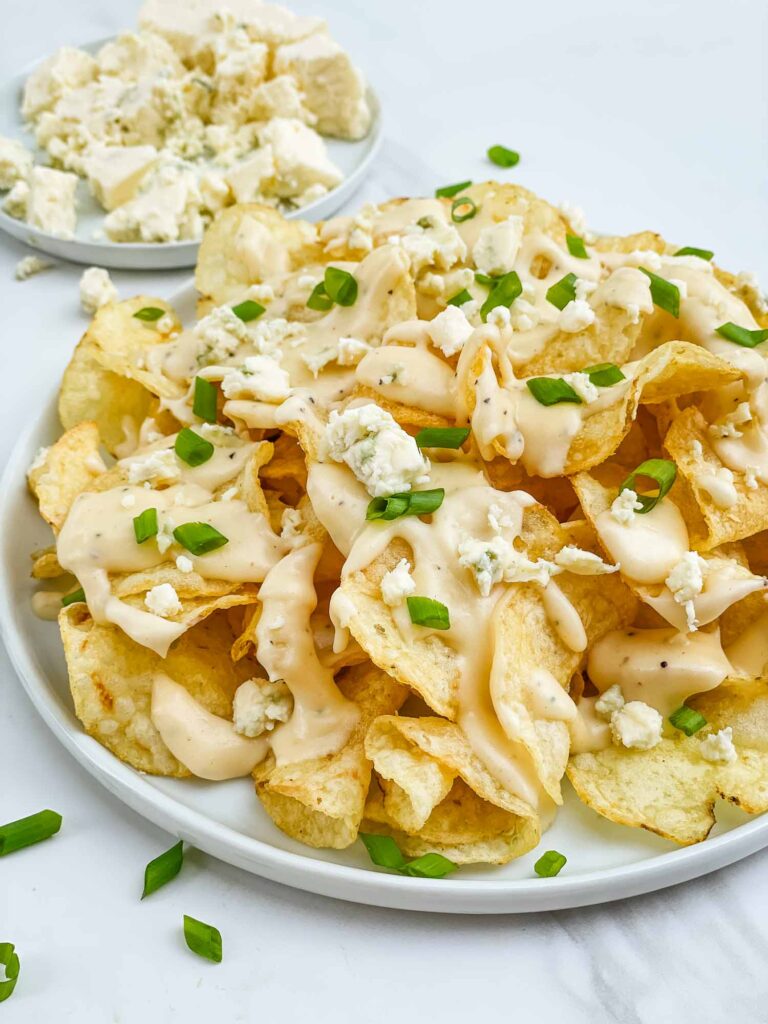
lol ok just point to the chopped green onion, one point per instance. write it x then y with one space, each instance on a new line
503 293
563 292
27 831
604 375
145 525
485 279
460 298
383 851
576 247
442 437
429 865
665 295
319 300
248 310
463 209
406 503
663 472
199 538
163 869
424 611
551 390
425 223
204 402
691 250
191 448
341 286
742 336
687 720
503 157
76 597
149 314
550 864
10 961
449 191
203 939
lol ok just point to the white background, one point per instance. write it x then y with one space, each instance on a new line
650 115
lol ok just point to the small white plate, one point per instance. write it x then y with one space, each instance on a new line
605 861
353 158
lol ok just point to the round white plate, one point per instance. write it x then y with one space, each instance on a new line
353 158
605 861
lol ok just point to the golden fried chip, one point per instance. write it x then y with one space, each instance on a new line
62 471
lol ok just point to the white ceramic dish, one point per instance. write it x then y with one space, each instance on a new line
353 158
605 861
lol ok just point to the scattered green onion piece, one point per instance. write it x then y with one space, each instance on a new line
341 286
149 314
503 293
319 300
383 851
604 375
503 157
442 437
576 247
742 336
550 864
485 279
163 869
407 503
687 720
662 471
76 597
425 611
552 391
463 209
429 865
204 402
563 291
665 295
203 939
199 538
425 223
691 250
145 525
460 298
10 961
449 191
27 831
191 448
248 310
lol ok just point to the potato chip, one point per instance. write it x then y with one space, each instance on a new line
65 469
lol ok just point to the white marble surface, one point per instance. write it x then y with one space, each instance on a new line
648 115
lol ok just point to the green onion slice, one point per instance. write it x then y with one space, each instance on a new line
76 597
28 831
406 503
341 286
149 314
463 209
563 292
424 611
576 247
742 336
191 448
163 869
449 191
503 157
248 310
442 437
550 864
691 250
504 291
665 295
552 391
203 939
604 375
429 865
383 851
425 223
663 472
460 298
319 300
145 525
687 720
204 403
199 538
485 279
10 961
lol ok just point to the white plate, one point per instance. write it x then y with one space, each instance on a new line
353 158
605 861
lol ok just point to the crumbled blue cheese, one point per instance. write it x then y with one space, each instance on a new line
686 581
15 163
496 560
718 483
576 218
576 316
582 563
750 477
221 332
351 350
96 289
625 505
439 245
260 377
636 725
156 467
51 201
184 564
258 706
718 747
728 425
397 584
610 701
163 600
15 203
449 330
28 266
300 158
497 246
583 386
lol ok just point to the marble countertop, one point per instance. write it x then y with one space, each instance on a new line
647 115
